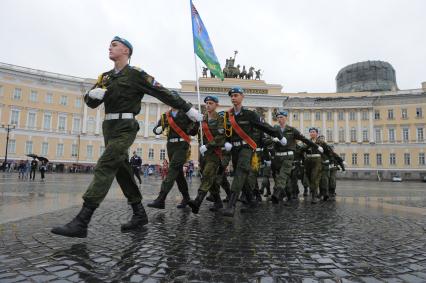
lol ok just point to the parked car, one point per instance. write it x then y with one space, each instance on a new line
396 179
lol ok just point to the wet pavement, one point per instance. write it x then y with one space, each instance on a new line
371 234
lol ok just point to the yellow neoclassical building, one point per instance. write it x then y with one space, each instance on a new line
378 133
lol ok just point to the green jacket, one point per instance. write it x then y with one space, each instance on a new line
126 89
292 135
216 128
181 120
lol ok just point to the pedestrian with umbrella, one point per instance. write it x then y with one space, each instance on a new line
34 164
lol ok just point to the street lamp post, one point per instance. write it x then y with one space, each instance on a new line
8 128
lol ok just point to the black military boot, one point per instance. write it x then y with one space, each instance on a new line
159 202
78 226
276 196
314 199
258 195
139 218
250 205
218 205
228 194
305 191
196 203
185 199
210 198
230 206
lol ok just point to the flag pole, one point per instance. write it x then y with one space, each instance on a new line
198 95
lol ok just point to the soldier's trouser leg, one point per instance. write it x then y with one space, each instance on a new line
305 183
324 182
293 183
313 171
182 185
332 182
137 174
114 163
177 156
282 177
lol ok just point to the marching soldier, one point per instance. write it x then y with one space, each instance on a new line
178 129
239 125
121 90
336 163
284 156
298 172
211 154
313 163
136 163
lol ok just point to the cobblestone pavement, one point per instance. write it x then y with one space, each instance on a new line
328 242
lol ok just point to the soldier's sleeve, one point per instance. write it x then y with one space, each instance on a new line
147 84
263 126
302 138
218 140
93 103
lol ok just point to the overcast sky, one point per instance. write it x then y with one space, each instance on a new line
298 44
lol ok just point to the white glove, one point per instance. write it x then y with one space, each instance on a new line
97 93
283 141
320 149
203 149
268 162
276 139
158 130
228 146
194 115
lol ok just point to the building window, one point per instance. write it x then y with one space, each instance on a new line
341 135
89 151
392 159
340 116
352 115
329 135
391 135
404 114
76 125
306 115
141 127
365 135
162 154
364 115
377 115
31 120
366 159
74 150
91 125
47 119
28 147
378 135
419 112
151 128
353 135
407 159
101 150
44 148
139 151
354 158
151 154
390 114
405 135
296 116
329 115
343 156
64 100
420 136
142 111
62 123
33 96
60 150
379 159
422 158
318 116
153 109
14 117
11 146
77 103
17 94
49 98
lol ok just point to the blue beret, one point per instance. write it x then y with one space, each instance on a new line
211 98
281 113
313 129
235 89
125 42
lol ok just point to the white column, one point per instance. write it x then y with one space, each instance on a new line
324 127
302 127
347 129
146 134
84 128
98 121
269 116
371 126
336 127
359 128
158 111
312 118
